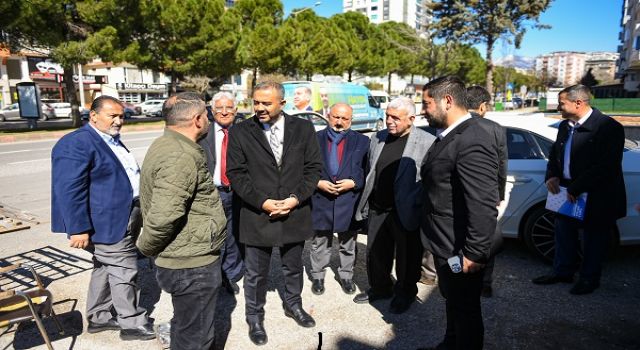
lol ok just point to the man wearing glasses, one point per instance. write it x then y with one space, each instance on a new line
223 108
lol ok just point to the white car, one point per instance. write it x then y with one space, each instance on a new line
61 109
12 112
151 108
319 122
522 214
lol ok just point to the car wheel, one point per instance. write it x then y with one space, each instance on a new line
539 235
44 117
379 125
127 115
2 118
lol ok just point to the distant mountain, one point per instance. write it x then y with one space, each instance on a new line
514 61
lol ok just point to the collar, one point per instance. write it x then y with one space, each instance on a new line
115 140
217 127
441 133
582 119
279 124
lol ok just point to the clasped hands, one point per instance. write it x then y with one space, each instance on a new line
553 185
337 188
279 208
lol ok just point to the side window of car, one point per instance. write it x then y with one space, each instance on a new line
521 145
545 145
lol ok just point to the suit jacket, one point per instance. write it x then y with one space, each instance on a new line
90 190
596 166
335 214
460 177
208 144
256 177
503 155
407 185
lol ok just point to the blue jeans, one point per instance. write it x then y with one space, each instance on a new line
193 293
595 240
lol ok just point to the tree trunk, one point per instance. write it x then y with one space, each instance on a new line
72 97
254 79
389 83
174 80
308 76
489 74
411 78
350 73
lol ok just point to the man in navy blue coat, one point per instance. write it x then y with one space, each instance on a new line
94 200
345 154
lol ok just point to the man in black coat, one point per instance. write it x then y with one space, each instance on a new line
215 146
460 179
478 99
586 158
345 154
274 166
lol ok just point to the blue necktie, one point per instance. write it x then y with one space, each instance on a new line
567 152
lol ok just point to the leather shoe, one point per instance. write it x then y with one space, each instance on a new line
144 332
317 287
348 286
584 287
231 286
370 296
257 333
300 316
552 279
111 325
400 304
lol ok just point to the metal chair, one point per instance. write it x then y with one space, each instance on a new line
22 305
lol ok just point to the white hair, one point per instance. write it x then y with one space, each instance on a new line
223 94
403 103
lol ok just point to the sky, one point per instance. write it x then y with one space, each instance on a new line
576 25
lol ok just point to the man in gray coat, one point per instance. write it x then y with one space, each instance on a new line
391 202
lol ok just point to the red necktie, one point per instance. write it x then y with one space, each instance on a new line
223 159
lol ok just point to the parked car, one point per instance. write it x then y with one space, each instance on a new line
523 214
319 122
151 108
84 113
12 112
61 109
517 102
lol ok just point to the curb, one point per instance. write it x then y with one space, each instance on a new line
43 135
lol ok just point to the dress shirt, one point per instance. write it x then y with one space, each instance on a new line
566 173
441 133
219 136
279 131
125 157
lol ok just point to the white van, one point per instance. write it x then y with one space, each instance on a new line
382 97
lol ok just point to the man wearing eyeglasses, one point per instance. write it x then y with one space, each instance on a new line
223 108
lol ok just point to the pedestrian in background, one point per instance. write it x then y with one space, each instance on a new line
345 154
460 178
391 202
274 166
184 222
94 200
215 145
585 158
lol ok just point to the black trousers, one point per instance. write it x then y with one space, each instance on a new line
257 265
392 240
465 329
194 293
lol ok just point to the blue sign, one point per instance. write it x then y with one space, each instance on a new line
509 86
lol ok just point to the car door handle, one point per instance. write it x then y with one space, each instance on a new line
519 179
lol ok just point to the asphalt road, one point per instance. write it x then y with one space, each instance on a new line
519 316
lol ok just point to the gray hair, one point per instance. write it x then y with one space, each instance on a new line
223 94
179 109
341 104
577 92
403 103
267 85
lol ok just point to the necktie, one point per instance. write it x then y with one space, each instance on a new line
567 152
274 143
223 158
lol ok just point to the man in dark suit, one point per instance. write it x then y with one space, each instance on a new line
215 145
274 167
391 202
460 178
333 204
478 99
94 200
585 158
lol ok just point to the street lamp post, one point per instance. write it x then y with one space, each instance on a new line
317 3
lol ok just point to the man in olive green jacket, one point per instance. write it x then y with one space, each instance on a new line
184 223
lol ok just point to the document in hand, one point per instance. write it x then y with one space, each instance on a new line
561 205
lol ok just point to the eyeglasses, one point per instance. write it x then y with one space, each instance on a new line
224 109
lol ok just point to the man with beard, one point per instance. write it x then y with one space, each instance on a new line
94 200
585 158
391 201
333 204
274 167
460 178
184 223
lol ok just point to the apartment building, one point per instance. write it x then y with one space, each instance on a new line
628 65
412 12
561 68
602 65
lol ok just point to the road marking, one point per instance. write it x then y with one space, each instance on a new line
30 161
26 150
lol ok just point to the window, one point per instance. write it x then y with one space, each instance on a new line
521 145
374 16
374 8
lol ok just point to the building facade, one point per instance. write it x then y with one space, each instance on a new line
412 12
628 65
602 66
562 68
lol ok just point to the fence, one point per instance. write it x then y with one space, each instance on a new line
629 105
